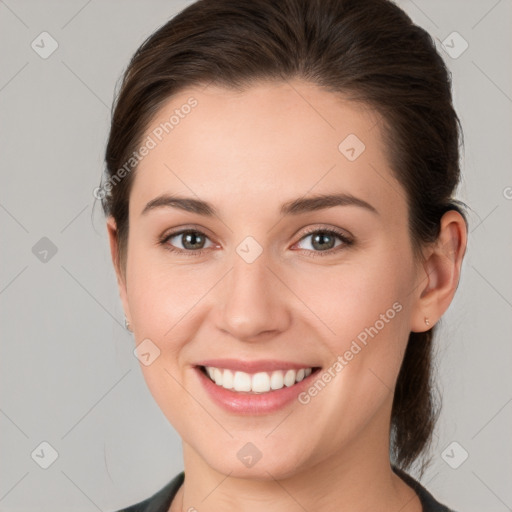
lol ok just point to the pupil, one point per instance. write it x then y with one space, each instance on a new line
193 237
322 238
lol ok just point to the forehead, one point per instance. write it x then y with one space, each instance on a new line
266 144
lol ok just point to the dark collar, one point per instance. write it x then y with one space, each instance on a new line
161 501
428 502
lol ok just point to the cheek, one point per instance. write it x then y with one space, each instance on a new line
348 299
364 309
161 305
163 298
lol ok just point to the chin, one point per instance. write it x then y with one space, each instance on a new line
245 460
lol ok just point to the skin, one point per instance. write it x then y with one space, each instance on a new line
247 153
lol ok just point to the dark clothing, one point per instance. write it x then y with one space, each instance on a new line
161 501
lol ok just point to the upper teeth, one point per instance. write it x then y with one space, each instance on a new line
261 382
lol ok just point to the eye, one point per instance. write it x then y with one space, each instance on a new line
192 241
323 241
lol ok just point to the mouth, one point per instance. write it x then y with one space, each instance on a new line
256 383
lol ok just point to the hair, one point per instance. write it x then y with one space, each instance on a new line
368 51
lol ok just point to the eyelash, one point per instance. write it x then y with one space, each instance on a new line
347 242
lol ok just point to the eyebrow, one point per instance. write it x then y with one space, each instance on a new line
295 207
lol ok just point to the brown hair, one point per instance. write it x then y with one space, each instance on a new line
367 50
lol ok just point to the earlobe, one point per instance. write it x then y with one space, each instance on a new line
441 272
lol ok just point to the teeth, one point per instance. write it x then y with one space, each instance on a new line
261 382
227 379
276 380
241 382
289 378
217 376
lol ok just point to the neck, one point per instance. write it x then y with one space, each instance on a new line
358 477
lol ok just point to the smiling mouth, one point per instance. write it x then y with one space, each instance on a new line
254 383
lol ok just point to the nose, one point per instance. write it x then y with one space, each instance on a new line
253 301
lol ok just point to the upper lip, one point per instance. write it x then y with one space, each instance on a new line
262 365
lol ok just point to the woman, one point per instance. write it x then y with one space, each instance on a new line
280 211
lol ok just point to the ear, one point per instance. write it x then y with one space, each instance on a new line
439 277
121 278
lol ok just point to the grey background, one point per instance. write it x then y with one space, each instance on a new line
68 373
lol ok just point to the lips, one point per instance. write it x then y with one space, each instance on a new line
254 387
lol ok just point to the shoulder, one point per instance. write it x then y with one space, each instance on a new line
428 502
161 500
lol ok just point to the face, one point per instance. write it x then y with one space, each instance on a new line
269 279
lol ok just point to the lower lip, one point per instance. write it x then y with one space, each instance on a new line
253 403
